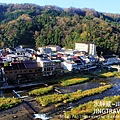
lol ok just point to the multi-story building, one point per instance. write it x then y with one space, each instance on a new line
48 66
88 47
21 72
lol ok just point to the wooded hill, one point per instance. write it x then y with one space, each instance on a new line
30 24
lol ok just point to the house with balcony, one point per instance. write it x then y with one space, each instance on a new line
48 66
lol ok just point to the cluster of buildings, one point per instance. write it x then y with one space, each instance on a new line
25 64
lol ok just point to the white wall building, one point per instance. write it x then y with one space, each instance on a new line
90 48
70 66
48 66
44 50
54 48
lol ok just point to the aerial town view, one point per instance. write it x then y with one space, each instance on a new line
59 60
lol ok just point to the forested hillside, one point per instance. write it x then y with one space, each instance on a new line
30 24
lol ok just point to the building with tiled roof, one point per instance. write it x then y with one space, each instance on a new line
27 70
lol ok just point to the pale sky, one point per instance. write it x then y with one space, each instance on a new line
109 6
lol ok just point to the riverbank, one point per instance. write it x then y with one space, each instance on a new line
17 113
32 84
22 112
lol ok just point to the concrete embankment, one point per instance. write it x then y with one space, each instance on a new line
20 86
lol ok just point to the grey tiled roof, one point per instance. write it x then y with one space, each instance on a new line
26 65
32 65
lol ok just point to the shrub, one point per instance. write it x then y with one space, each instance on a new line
74 81
106 75
41 91
88 108
54 98
6 103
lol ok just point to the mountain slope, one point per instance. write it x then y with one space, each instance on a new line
31 24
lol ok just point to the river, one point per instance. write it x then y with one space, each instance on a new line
115 90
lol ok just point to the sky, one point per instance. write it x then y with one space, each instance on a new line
108 6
